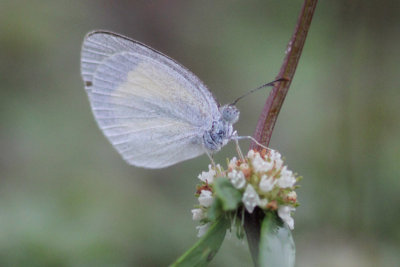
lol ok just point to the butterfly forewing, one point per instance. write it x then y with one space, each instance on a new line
153 110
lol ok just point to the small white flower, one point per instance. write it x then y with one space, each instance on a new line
206 198
232 163
261 165
287 178
208 176
276 157
285 213
244 166
237 179
250 198
251 154
202 229
267 184
198 214
292 196
217 167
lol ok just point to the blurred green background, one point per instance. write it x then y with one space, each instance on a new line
68 199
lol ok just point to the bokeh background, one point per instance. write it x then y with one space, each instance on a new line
68 199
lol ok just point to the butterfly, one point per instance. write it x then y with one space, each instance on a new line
153 110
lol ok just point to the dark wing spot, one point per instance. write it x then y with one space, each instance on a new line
88 83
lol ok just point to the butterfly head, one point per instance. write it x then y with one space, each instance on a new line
229 113
222 129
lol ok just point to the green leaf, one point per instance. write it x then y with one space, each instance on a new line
276 243
215 210
205 249
230 197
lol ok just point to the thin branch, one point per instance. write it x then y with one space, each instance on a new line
269 114
273 105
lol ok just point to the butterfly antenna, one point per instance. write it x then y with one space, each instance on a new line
258 88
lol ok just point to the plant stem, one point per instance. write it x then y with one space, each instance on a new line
252 226
269 114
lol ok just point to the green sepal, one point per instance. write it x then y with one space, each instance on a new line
276 243
204 250
229 196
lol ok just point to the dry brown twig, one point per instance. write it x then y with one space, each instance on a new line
269 114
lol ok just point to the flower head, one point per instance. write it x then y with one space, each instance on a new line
259 180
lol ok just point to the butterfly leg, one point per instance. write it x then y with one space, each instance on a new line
252 139
238 150
210 156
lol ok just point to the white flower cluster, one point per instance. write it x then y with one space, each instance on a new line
205 198
263 181
270 184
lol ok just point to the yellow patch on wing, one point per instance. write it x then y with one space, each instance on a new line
151 81
157 126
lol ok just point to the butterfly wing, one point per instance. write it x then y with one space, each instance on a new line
153 110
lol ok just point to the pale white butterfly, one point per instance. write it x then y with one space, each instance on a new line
154 111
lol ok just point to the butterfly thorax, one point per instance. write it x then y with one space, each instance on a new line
222 129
